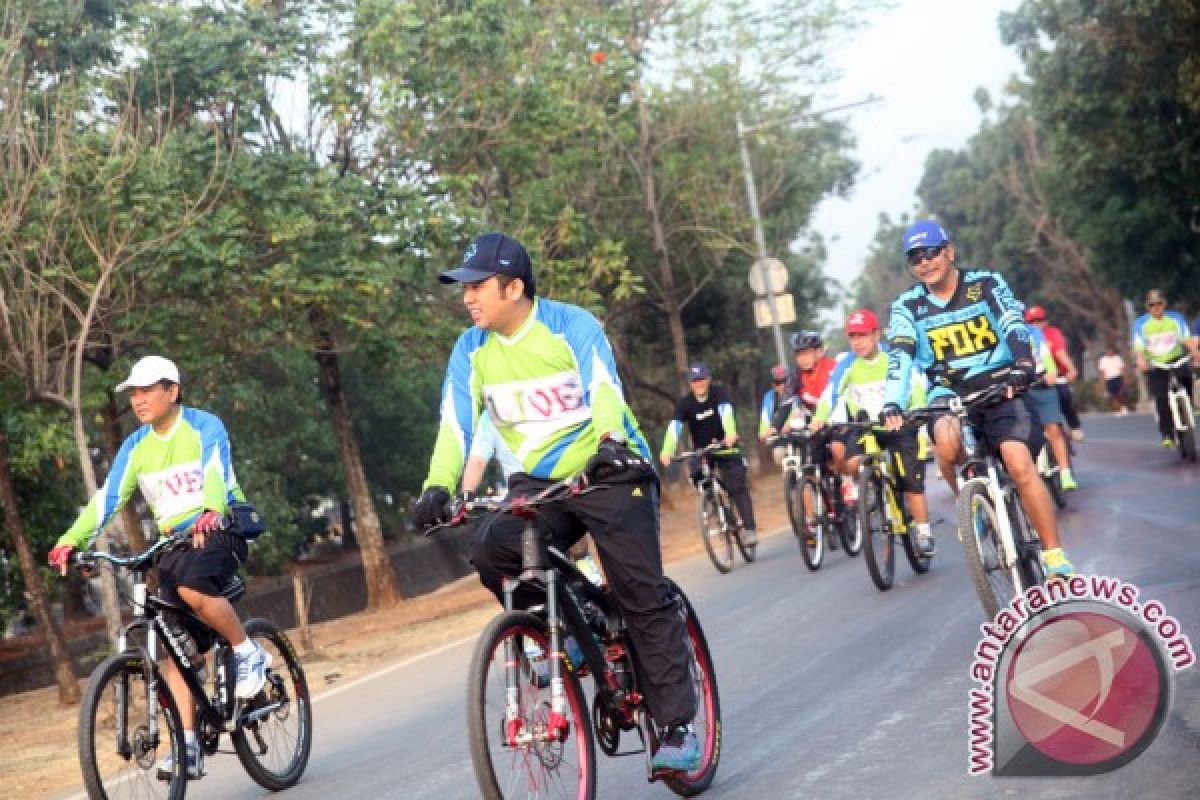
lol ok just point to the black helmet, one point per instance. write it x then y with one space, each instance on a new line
806 340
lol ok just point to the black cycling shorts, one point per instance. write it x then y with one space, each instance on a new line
207 570
909 470
1007 421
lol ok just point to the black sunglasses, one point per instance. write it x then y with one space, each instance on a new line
919 254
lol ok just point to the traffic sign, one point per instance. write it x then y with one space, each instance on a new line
776 270
785 310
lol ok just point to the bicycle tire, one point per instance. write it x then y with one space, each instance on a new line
749 551
127 673
979 534
879 548
849 531
707 722
814 553
793 497
1029 546
260 741
486 729
916 559
714 533
1187 434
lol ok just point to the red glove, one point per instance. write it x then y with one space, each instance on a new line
208 522
60 557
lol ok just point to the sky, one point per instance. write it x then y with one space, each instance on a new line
925 58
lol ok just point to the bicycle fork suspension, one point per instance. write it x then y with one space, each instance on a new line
1008 547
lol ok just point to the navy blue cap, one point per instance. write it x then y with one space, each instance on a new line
698 371
925 233
492 254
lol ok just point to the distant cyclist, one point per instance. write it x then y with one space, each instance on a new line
545 372
1064 366
1111 368
1161 337
708 413
857 385
961 328
1045 403
813 369
772 399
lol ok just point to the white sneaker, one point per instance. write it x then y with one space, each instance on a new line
251 672
1077 434
195 764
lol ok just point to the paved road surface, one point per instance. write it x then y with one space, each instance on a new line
829 688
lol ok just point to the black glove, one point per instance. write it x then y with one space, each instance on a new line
1021 375
432 507
611 458
890 410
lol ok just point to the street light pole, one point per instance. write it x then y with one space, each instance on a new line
760 241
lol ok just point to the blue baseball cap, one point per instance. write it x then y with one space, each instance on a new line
492 254
698 371
925 233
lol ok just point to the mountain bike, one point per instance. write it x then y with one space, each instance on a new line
1180 405
1003 551
129 720
806 473
530 730
883 516
720 525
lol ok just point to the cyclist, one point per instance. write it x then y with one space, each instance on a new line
1064 367
708 414
1044 401
960 328
545 372
1112 372
813 369
180 459
1161 337
857 385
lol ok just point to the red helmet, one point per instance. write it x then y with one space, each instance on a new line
1035 314
862 321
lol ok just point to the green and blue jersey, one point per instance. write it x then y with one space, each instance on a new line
1161 341
181 473
859 384
551 390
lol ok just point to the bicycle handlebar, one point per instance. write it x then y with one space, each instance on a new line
711 448
1184 359
86 559
462 509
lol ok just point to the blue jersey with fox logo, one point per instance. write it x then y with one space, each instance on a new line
957 342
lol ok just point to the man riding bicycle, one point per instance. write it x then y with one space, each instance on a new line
545 372
1160 338
1046 402
1064 368
180 459
708 414
961 329
857 385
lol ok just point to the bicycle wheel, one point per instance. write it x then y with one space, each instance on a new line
878 545
812 543
793 498
714 533
118 754
916 559
979 533
275 737
1029 546
849 531
749 551
1186 435
707 722
533 754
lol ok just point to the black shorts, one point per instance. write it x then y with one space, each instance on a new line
851 440
909 470
1007 421
207 570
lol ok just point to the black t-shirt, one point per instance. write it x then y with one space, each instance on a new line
703 417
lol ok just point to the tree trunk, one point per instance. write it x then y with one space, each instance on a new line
382 588
64 664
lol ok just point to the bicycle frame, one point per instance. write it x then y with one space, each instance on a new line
881 459
1176 391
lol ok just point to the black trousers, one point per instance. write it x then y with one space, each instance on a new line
1066 400
623 522
732 470
1157 381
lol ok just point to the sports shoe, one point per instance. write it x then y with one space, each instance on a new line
849 491
251 672
1055 563
195 764
678 749
1077 434
539 667
810 533
749 537
925 542
1067 480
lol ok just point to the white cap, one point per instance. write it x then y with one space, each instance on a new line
149 371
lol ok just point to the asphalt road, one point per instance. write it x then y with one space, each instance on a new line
829 688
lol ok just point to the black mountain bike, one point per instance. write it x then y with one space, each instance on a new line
530 730
806 471
883 516
720 525
129 721
1003 550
